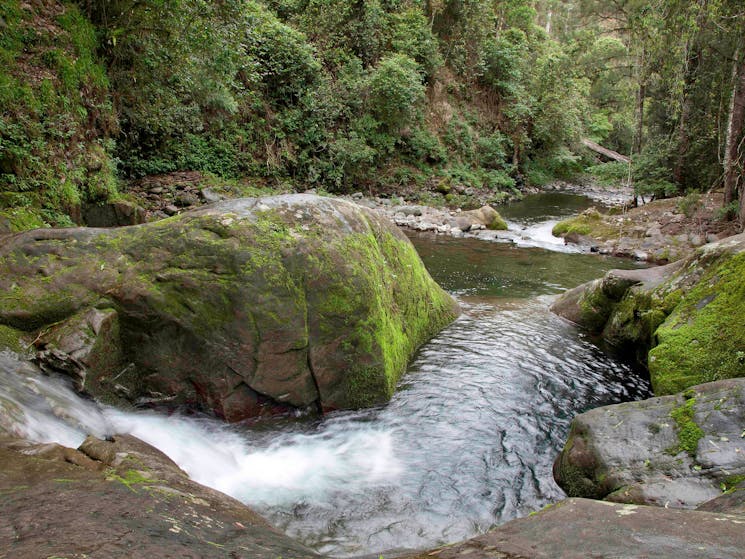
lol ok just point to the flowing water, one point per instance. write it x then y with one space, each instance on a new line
467 441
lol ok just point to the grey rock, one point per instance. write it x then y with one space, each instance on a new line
185 199
210 196
634 452
237 292
170 209
100 511
410 210
696 240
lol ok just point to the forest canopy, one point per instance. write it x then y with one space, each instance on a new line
376 95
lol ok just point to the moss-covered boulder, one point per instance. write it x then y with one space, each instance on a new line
486 216
292 300
684 320
673 451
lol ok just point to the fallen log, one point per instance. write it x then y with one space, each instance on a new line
609 153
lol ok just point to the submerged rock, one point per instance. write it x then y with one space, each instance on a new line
684 320
293 300
674 451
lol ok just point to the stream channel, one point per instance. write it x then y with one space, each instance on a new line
466 443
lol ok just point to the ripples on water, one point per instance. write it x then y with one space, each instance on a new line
474 430
467 442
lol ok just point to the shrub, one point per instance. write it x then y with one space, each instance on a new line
395 90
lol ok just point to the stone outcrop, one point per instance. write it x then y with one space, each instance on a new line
684 320
237 307
120 499
577 528
673 451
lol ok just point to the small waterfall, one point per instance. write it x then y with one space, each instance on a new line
292 467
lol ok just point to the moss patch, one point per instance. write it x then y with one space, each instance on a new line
689 433
703 339
590 222
130 479
595 307
11 339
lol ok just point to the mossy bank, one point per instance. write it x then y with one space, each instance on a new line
684 320
244 307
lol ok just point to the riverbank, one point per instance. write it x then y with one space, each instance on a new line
661 231
658 232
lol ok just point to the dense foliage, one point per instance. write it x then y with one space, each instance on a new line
434 96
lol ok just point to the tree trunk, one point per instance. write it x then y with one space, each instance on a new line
690 68
733 165
640 96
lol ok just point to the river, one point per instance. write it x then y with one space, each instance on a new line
468 440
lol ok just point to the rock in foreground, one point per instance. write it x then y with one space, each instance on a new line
673 451
579 528
291 300
121 499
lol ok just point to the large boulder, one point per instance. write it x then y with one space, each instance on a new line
118 499
292 300
673 451
684 320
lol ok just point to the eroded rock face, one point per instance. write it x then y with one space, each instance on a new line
121 498
236 307
684 320
674 451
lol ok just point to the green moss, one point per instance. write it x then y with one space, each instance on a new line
590 222
388 305
595 307
575 480
730 483
497 224
634 320
576 225
21 219
701 339
689 433
130 479
11 339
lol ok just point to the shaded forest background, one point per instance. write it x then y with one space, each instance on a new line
379 96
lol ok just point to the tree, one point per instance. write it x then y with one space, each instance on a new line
734 152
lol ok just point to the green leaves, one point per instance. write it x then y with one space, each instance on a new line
395 90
